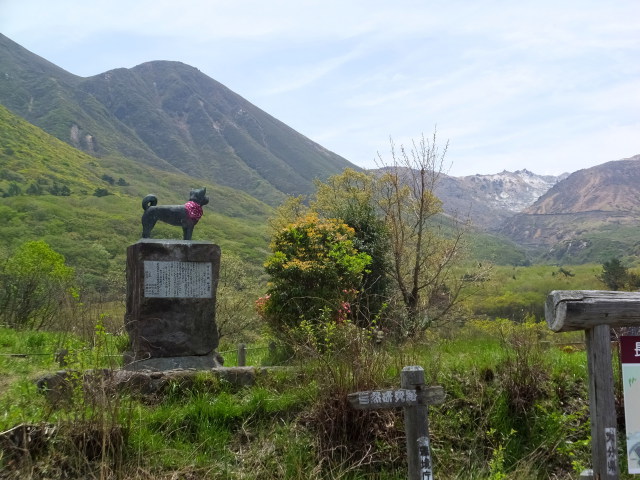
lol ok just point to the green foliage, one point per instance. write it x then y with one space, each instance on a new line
515 409
314 272
351 198
101 192
618 277
35 285
485 247
519 292
239 285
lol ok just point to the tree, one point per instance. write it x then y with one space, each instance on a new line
314 270
290 211
35 283
34 189
101 192
351 198
60 190
425 244
237 287
14 190
618 277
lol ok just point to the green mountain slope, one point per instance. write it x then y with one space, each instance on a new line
167 115
48 191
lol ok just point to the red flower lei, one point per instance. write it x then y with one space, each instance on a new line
194 211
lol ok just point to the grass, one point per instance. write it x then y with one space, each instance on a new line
516 408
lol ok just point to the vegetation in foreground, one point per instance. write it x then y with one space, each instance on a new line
516 407
365 278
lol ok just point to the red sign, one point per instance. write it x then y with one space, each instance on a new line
630 349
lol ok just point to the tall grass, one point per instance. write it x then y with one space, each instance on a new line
516 408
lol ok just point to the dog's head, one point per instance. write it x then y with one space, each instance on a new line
199 195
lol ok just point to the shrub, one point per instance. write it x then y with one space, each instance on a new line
35 283
314 272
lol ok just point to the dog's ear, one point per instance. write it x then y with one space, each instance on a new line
203 196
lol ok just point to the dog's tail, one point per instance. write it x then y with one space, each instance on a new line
149 201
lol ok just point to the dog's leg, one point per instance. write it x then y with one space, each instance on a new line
148 222
187 232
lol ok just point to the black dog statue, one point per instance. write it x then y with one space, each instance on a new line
185 216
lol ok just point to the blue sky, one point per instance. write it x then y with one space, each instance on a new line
550 86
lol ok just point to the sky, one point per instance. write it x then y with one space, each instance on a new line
552 86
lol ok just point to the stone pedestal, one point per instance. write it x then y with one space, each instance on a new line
171 302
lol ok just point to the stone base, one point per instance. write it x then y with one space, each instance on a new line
60 387
171 298
159 364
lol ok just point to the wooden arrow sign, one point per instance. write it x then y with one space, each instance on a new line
398 398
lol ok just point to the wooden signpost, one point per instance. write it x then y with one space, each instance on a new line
414 398
595 311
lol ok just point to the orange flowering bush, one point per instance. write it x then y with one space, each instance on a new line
314 271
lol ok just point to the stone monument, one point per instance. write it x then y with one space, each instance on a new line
171 302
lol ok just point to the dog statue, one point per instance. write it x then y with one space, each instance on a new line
185 216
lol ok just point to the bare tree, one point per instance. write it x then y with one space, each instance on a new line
425 243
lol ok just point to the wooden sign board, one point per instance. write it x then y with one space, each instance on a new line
595 312
399 398
414 398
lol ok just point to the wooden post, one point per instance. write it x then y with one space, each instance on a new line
595 311
416 427
242 355
414 399
604 449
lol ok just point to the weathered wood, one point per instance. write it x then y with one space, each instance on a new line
595 312
602 404
414 398
568 310
398 398
416 427
242 355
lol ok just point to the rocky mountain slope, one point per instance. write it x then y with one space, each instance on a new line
594 213
489 200
167 115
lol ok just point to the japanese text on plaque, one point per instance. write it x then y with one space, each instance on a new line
177 279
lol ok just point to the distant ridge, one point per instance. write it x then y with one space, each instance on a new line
489 200
593 214
610 187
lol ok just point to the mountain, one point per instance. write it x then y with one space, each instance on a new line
90 210
489 200
167 115
165 127
591 215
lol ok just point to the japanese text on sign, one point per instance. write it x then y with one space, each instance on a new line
388 397
177 279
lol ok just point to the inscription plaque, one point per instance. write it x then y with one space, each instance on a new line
177 279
